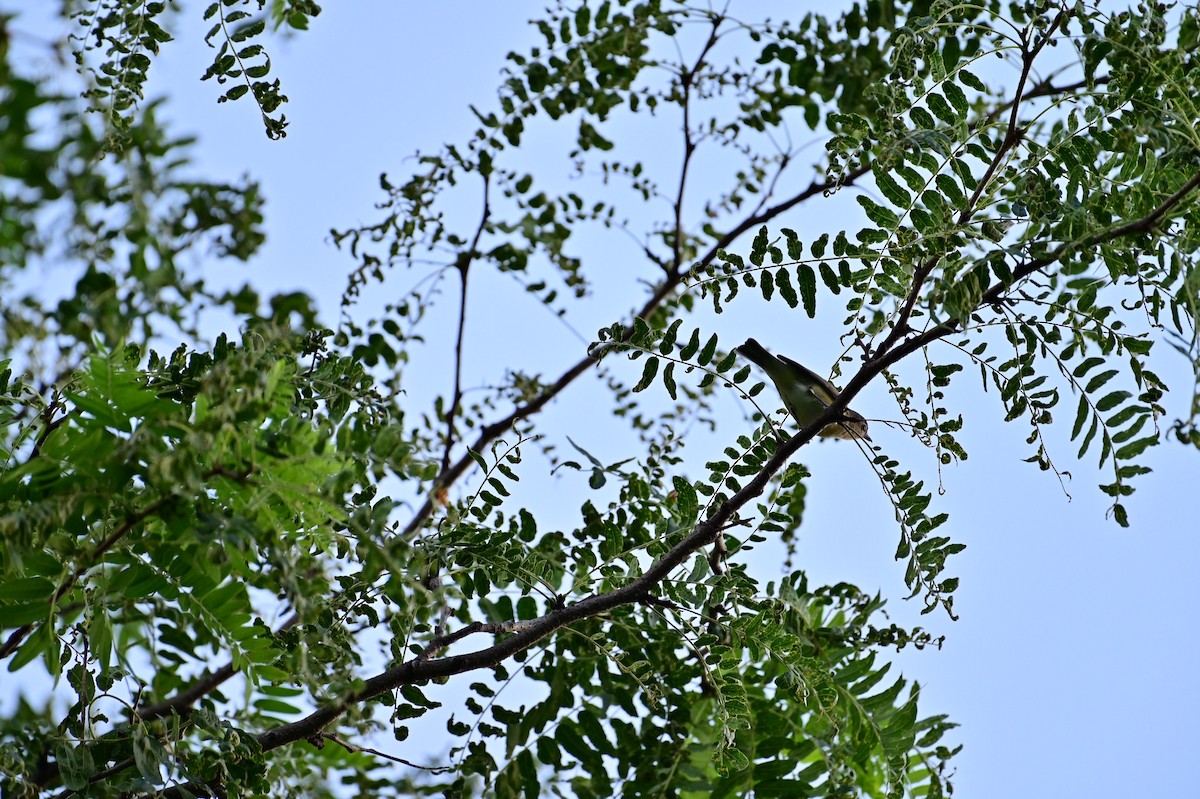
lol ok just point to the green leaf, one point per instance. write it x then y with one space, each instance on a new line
893 191
1099 380
148 755
1135 448
1087 366
475 456
527 768
957 98
669 336
1138 346
880 215
758 249
786 290
75 764
27 588
649 370
794 247
950 190
969 80
819 246
942 109
687 500
276 706
807 279
1081 415
767 285
692 347
1112 400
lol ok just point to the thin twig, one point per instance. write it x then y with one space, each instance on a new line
463 265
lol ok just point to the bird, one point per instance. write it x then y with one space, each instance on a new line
805 393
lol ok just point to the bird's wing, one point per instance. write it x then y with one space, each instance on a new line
822 388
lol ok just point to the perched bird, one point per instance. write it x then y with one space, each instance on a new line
805 393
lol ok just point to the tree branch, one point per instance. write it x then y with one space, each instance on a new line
490 432
884 359
689 145
1012 136
463 264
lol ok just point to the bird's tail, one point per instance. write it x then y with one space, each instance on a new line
757 354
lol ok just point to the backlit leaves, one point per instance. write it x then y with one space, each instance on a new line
242 62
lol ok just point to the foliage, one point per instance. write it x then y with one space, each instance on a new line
206 550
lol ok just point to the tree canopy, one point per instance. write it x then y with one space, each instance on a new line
258 555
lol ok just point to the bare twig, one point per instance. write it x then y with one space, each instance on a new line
463 265
686 79
349 747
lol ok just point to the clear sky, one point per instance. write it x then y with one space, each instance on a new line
1072 667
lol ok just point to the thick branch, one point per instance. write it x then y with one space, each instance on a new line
418 670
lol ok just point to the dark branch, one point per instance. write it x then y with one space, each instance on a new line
686 79
464 267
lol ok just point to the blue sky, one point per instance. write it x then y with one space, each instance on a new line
1072 667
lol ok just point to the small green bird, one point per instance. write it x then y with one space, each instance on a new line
805 393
